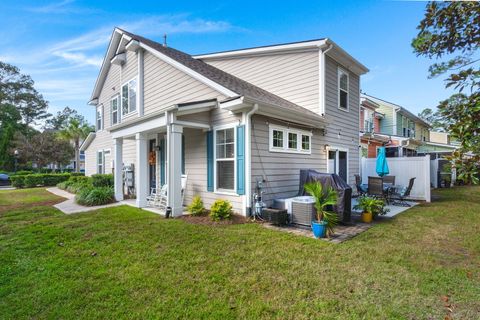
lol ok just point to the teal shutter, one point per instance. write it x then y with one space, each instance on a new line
241 159
162 162
183 154
210 161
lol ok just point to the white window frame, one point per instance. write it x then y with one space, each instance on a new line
341 71
130 112
115 97
337 158
286 131
216 189
98 110
100 153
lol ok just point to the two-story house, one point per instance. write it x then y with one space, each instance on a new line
399 130
226 120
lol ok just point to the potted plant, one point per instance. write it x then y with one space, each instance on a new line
326 220
370 207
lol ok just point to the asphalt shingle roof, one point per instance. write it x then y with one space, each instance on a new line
227 80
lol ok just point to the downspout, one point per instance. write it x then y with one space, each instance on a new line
248 156
321 80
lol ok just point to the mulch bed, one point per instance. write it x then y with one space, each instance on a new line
207 221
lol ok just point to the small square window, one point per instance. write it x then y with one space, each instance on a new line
277 139
292 140
305 142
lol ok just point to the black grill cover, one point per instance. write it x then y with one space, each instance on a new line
344 192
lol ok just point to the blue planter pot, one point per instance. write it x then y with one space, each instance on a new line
319 229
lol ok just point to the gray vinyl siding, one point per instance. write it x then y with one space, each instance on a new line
196 170
281 171
292 76
165 86
340 121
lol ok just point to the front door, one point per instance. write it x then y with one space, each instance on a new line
152 164
338 163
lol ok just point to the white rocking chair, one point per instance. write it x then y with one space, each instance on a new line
158 197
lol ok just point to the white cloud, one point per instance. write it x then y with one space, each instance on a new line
55 7
158 25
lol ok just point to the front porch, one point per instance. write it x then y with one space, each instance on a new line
159 158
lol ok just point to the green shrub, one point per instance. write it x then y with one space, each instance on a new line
22 172
62 185
76 178
18 181
221 209
33 180
196 208
54 179
77 174
76 187
95 196
102 180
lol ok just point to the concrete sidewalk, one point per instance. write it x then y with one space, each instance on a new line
69 206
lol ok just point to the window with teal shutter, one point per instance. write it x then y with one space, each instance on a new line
241 160
210 161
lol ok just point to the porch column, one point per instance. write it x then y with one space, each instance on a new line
174 176
118 163
141 170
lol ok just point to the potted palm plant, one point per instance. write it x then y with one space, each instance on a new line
370 207
326 220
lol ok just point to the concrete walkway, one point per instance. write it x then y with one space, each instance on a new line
69 206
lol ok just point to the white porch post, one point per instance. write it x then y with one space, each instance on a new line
141 170
118 162
174 176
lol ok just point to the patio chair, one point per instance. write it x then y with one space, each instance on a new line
375 187
358 184
403 194
389 179
158 198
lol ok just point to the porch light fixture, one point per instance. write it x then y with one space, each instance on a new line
325 147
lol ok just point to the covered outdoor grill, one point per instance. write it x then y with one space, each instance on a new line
344 191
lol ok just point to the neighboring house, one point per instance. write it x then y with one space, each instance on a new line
226 120
370 137
439 146
405 131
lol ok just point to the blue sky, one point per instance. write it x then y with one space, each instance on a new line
61 43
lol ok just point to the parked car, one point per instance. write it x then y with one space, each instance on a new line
4 180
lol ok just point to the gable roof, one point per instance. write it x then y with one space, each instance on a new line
397 108
236 85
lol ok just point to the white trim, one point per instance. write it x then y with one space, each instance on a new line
102 116
115 97
219 128
156 123
140 82
127 83
341 71
119 59
322 75
337 149
267 49
88 140
189 71
286 131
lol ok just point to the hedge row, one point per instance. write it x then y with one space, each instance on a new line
90 191
38 180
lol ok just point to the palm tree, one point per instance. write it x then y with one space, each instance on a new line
76 130
323 197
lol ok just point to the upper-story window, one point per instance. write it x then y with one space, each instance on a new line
342 89
99 122
289 140
115 114
368 122
129 97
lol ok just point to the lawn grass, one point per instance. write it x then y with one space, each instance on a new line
122 262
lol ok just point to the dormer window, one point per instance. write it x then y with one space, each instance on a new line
342 89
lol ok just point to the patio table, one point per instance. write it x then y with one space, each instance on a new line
388 188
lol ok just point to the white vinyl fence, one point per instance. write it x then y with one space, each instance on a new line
403 169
